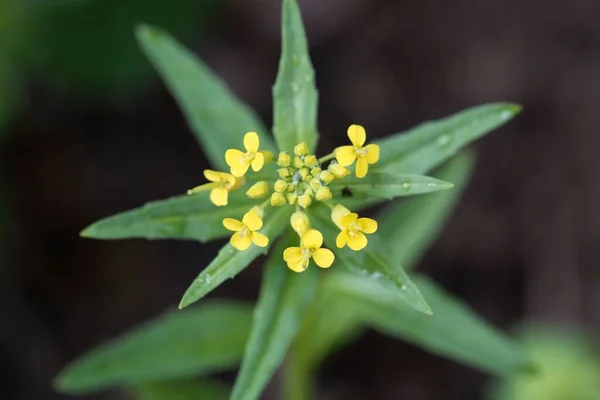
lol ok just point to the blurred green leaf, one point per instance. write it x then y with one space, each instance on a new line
409 227
374 264
202 340
180 217
424 147
295 96
568 367
454 331
284 298
88 45
381 185
182 390
217 117
329 323
230 262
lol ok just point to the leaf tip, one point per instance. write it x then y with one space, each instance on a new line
512 109
146 32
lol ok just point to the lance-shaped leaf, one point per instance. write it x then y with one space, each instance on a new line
329 323
217 117
180 217
375 264
182 390
409 227
230 261
426 146
284 297
385 185
454 331
295 95
206 339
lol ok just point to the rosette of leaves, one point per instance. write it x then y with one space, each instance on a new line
302 315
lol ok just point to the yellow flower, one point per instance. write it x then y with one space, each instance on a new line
239 162
369 154
352 228
324 193
246 231
297 258
221 184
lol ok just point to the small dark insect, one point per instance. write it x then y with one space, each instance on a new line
346 192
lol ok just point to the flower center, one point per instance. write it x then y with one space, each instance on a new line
249 157
244 232
361 151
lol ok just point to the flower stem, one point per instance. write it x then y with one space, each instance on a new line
328 157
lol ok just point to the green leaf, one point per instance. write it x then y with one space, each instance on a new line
424 147
381 185
284 298
180 217
182 390
374 264
454 331
409 227
206 339
295 95
329 324
218 118
230 261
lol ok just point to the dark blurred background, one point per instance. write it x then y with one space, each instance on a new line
87 129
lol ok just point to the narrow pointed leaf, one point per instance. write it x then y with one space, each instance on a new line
382 185
454 331
217 117
181 217
182 390
284 297
295 95
410 226
230 261
206 339
374 264
426 146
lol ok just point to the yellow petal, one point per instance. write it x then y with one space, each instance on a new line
292 254
251 142
345 155
205 187
312 239
232 224
298 266
239 171
341 239
218 196
372 153
268 155
367 225
259 239
213 176
252 221
258 162
240 242
323 257
357 242
338 212
235 158
349 219
362 167
357 135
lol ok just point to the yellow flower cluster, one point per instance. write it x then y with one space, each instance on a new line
302 178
